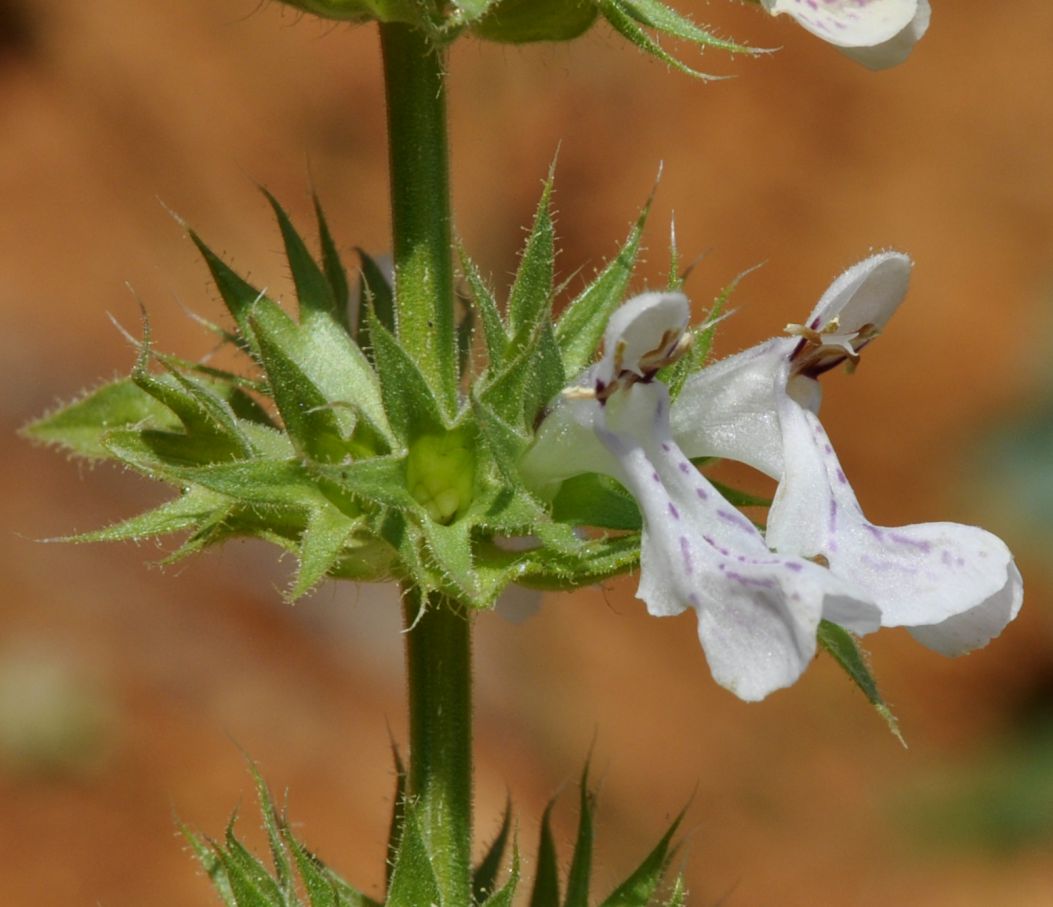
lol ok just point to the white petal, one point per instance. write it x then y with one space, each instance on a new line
868 293
977 626
896 49
878 33
957 583
642 325
730 409
566 445
757 612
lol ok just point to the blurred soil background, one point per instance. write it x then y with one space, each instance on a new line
129 694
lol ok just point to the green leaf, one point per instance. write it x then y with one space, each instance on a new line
82 425
580 871
413 882
580 328
640 887
591 499
313 290
486 872
483 299
409 402
545 892
740 498
531 294
848 654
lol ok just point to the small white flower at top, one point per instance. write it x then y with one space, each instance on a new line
876 33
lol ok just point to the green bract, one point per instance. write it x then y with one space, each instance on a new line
334 444
643 22
521 21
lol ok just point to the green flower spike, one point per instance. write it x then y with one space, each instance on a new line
334 445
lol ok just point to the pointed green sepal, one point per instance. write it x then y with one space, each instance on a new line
580 873
333 266
409 402
530 298
484 302
580 328
840 644
627 16
485 874
250 881
322 546
192 509
81 426
330 362
640 888
503 896
211 863
237 294
545 892
314 292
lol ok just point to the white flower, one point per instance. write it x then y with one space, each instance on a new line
876 33
955 587
757 611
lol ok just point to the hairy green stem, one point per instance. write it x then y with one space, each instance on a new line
439 672
414 79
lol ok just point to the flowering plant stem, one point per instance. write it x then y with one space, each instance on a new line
438 634
414 79
439 782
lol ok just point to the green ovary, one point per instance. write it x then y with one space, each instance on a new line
440 473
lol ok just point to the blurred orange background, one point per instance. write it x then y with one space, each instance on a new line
128 693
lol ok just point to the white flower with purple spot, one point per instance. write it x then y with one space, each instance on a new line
876 33
955 587
757 611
